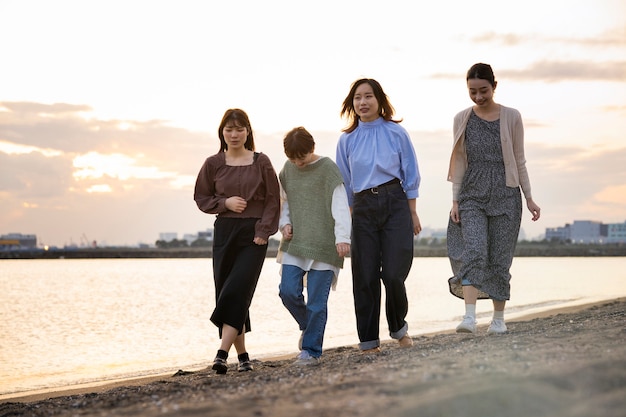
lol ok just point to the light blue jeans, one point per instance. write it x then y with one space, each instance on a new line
311 315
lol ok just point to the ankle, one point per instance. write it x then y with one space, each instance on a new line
222 354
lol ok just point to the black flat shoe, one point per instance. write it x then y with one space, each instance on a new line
245 366
219 365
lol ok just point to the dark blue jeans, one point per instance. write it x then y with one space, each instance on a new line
382 249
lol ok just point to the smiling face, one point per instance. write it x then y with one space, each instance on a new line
480 91
365 103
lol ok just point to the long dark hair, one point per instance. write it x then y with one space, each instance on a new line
238 118
385 109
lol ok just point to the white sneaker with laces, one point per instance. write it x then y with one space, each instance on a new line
305 359
468 325
497 326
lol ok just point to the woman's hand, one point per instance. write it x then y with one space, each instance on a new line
343 249
534 209
236 204
417 226
260 241
454 212
287 232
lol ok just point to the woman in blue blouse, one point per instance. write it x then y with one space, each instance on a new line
378 163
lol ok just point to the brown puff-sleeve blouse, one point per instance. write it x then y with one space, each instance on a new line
256 183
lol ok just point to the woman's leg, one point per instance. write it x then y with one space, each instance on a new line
229 336
474 226
365 260
397 259
290 292
318 289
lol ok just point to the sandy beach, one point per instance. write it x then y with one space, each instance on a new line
567 362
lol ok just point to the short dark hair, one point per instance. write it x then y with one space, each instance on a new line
298 142
482 72
238 118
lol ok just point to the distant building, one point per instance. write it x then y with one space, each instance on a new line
168 236
588 231
616 232
190 238
17 241
207 234
559 234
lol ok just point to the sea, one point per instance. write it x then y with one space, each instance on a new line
75 322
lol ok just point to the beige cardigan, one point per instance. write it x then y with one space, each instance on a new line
512 138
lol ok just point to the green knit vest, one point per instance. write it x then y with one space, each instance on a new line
309 193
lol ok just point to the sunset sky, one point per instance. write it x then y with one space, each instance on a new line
109 108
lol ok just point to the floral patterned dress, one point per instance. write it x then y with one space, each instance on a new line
482 245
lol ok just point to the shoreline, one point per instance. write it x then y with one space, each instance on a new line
562 362
107 385
523 249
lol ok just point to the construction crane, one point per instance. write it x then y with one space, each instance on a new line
85 242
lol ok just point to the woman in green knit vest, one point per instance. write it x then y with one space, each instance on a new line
315 224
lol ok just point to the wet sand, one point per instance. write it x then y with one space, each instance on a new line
564 362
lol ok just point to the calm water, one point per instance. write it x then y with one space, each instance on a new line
66 322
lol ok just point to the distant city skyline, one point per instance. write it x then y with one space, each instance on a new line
583 231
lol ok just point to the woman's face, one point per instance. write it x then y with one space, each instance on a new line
365 103
234 135
480 91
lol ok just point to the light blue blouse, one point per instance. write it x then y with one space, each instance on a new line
374 153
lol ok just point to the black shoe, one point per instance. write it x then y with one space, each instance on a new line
245 366
219 365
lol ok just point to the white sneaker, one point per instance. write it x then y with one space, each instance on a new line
497 326
305 359
468 325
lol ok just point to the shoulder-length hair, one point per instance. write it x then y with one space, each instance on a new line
237 118
385 109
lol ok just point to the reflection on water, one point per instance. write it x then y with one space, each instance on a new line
74 321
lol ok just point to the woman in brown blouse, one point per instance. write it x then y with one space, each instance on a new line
241 187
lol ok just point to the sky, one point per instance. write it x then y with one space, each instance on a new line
109 108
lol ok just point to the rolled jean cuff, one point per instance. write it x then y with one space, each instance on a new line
369 345
400 333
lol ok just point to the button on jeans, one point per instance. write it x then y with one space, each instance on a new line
311 315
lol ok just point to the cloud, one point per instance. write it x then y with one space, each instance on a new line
614 109
34 175
614 196
575 183
63 174
607 39
66 128
559 71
